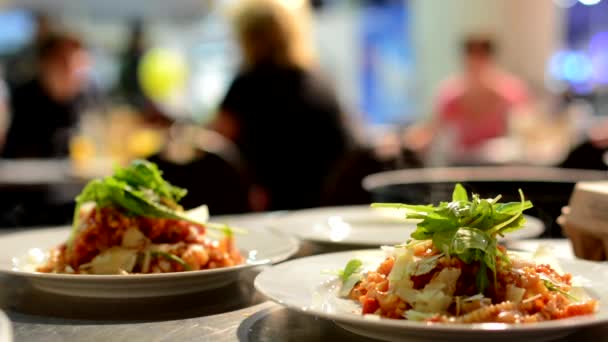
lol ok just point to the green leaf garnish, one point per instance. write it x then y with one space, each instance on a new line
553 287
352 267
172 257
460 194
142 174
140 190
227 230
468 227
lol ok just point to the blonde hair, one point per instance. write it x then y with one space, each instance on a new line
270 32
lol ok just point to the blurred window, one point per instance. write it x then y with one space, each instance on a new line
16 30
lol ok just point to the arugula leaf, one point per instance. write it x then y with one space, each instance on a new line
140 190
418 208
111 191
460 194
481 279
552 287
349 276
352 267
172 257
144 174
511 208
470 245
516 215
467 227
466 238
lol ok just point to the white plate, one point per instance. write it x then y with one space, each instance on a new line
6 331
365 226
259 245
301 285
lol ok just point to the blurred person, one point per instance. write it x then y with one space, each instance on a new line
23 65
45 109
473 106
4 113
592 153
281 114
129 85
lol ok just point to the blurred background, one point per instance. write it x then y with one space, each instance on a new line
288 104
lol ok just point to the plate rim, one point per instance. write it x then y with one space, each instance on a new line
475 328
6 329
276 224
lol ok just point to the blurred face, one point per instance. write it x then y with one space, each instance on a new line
476 61
66 72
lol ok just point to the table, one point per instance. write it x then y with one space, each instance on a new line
234 313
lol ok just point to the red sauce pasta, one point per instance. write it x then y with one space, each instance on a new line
140 245
523 292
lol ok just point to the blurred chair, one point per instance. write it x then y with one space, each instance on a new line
593 152
209 166
344 184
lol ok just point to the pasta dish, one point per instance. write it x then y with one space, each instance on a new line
453 270
131 222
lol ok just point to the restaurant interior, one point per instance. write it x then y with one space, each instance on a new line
236 170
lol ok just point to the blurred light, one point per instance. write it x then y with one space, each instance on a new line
582 89
208 86
577 67
293 4
598 43
339 230
571 66
589 2
598 50
555 65
144 142
162 74
600 67
565 3
16 29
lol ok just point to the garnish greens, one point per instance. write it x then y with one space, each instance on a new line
174 258
350 276
140 190
553 287
467 228
352 267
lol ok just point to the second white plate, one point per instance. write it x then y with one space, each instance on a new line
259 246
365 226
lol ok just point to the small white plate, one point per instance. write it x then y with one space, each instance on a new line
301 285
260 246
366 226
6 331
